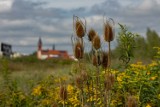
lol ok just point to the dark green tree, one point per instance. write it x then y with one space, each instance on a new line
153 40
141 46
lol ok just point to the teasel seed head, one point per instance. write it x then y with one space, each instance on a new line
79 81
104 60
111 77
84 75
91 34
96 60
131 102
86 105
107 84
54 105
78 50
80 28
63 92
96 42
108 32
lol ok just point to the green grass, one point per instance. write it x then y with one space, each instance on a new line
28 71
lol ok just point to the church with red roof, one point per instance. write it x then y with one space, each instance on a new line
50 53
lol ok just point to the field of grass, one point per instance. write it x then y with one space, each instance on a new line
26 72
28 82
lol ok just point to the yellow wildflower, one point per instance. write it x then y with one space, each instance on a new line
158 96
70 88
154 63
148 105
119 79
37 90
46 102
153 78
148 73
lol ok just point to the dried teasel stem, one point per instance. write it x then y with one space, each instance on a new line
63 94
79 83
109 36
98 62
108 84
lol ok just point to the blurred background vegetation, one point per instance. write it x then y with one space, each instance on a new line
144 46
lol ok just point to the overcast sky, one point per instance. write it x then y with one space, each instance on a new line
22 22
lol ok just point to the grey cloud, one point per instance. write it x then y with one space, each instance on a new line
41 20
137 17
109 7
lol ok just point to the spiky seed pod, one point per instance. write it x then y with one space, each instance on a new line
79 82
80 28
91 34
54 105
63 92
96 42
107 84
78 50
96 61
111 77
108 32
131 102
86 105
84 75
99 60
104 60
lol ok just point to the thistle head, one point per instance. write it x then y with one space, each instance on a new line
96 42
131 102
79 26
104 60
91 34
96 60
111 77
78 50
79 81
107 84
108 31
84 75
63 92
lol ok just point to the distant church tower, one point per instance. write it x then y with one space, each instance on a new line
39 48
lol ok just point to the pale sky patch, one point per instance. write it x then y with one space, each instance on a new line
5 5
72 4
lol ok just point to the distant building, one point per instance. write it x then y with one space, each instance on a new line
50 53
1 54
16 55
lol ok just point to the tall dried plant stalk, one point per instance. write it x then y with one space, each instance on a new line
63 94
79 28
108 37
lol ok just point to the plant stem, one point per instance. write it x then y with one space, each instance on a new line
63 103
82 97
109 54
